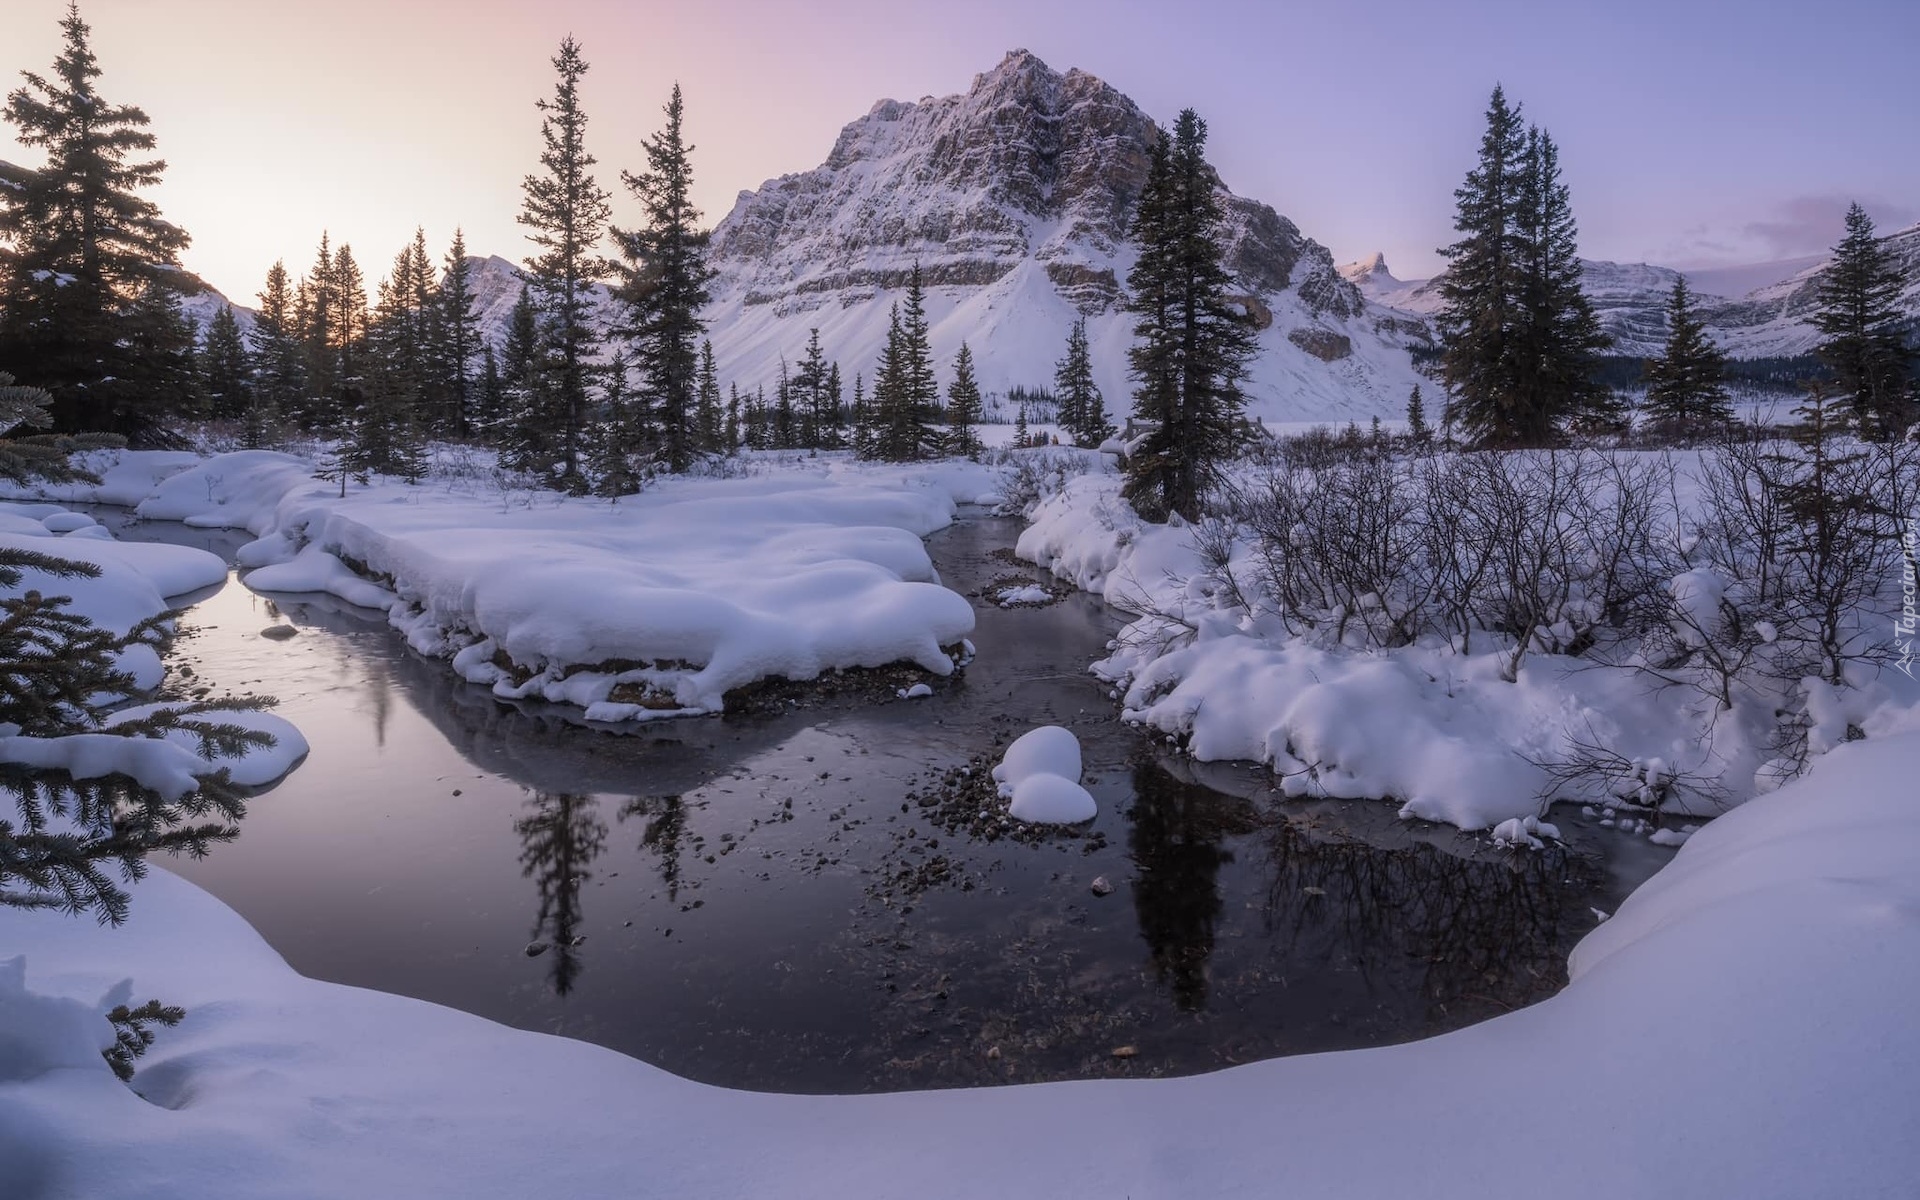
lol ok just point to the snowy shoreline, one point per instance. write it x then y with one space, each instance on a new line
1786 927
655 607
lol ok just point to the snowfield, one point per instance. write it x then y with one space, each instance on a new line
1741 1028
655 606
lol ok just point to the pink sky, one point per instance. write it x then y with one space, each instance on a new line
1691 132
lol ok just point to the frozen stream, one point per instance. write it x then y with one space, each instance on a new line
796 898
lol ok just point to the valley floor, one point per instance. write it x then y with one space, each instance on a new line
1740 1028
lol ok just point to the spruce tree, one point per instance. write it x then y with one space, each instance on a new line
88 268
1082 411
527 441
1686 386
620 448
818 429
279 369
81 824
461 343
963 407
920 388
566 213
862 418
1864 343
1480 292
889 437
711 422
786 432
226 373
316 315
1520 339
663 286
1191 345
733 433
1560 338
1418 430
347 290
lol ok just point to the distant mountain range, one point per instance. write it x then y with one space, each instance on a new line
1014 199
1768 319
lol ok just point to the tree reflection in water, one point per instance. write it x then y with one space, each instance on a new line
1175 839
1487 931
1462 931
559 839
666 822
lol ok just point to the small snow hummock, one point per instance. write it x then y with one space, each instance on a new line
915 692
1524 831
1040 775
1014 597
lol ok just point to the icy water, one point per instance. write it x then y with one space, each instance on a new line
808 897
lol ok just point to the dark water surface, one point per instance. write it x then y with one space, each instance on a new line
785 900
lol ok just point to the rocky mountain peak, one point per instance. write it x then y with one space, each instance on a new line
1028 165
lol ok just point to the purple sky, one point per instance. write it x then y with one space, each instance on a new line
1691 133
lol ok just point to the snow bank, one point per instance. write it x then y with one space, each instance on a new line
1040 775
1788 927
135 580
655 606
1440 732
126 477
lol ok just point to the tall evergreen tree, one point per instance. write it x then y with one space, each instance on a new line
711 422
1191 345
1560 338
225 370
619 450
963 407
862 418
461 344
816 399
1082 411
1686 385
1864 342
88 268
566 213
906 393
1480 292
279 369
1520 339
664 286
1418 431
316 314
526 439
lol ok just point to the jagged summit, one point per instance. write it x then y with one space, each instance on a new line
1014 199
1372 267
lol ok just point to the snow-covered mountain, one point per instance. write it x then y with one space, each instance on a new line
1630 299
1014 199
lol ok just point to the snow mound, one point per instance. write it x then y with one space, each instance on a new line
1040 775
656 606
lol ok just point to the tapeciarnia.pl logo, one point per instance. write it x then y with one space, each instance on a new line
1904 625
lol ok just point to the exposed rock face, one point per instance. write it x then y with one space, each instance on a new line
1028 165
1323 344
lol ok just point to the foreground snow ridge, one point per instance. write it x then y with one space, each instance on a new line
1790 928
656 606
